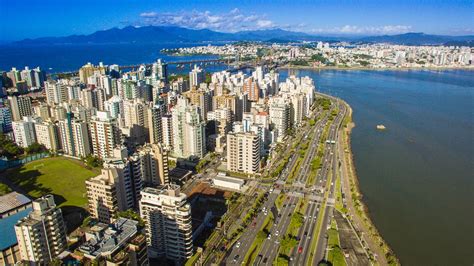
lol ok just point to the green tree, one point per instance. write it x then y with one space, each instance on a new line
8 148
93 161
35 147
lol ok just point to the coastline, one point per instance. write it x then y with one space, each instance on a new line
359 214
374 69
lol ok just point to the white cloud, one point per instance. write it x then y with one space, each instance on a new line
232 21
148 14
352 29
264 23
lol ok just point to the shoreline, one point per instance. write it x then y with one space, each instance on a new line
363 213
374 69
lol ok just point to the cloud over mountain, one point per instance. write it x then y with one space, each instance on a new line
232 21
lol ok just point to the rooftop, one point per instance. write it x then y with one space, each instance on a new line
7 228
12 201
109 240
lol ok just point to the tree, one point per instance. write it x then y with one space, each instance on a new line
8 148
35 147
93 161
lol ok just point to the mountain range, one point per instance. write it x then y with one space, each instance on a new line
172 34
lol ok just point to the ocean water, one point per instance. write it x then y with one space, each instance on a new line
61 58
417 177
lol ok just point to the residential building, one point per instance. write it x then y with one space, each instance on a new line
105 135
20 106
243 152
118 243
167 216
42 234
47 135
24 131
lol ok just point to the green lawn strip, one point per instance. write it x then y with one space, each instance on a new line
339 205
319 223
279 201
295 170
63 177
335 254
288 242
259 239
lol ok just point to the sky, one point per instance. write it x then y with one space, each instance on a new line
33 19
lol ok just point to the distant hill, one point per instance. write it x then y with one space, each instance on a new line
172 34
416 38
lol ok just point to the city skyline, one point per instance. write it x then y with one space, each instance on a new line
49 18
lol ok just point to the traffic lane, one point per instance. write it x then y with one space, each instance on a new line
274 244
249 234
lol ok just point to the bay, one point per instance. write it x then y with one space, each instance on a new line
417 177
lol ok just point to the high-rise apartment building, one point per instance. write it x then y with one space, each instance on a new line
243 152
24 131
74 135
188 130
154 164
102 195
47 135
196 76
105 135
42 234
167 216
20 106
5 119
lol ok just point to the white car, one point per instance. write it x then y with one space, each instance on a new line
237 245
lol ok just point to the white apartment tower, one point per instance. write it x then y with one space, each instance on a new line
188 130
42 234
105 135
74 136
24 131
47 135
167 216
243 152
196 76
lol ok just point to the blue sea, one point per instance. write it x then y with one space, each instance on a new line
417 176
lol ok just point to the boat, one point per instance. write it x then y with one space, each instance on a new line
381 127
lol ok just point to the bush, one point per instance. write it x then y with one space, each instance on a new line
93 161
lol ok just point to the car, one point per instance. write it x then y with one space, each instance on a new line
269 236
236 257
289 214
305 233
265 260
284 205
237 245
300 250
276 233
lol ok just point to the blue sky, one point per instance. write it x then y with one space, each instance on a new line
32 19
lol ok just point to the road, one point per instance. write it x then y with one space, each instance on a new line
319 197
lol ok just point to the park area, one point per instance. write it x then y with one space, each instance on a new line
62 177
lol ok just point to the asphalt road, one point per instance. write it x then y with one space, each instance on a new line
299 188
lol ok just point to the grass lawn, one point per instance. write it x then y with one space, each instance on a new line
64 178
335 254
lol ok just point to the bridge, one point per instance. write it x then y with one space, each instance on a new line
228 61
184 62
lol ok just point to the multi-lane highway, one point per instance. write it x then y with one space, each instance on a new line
319 196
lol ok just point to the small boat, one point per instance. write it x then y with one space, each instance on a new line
381 127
